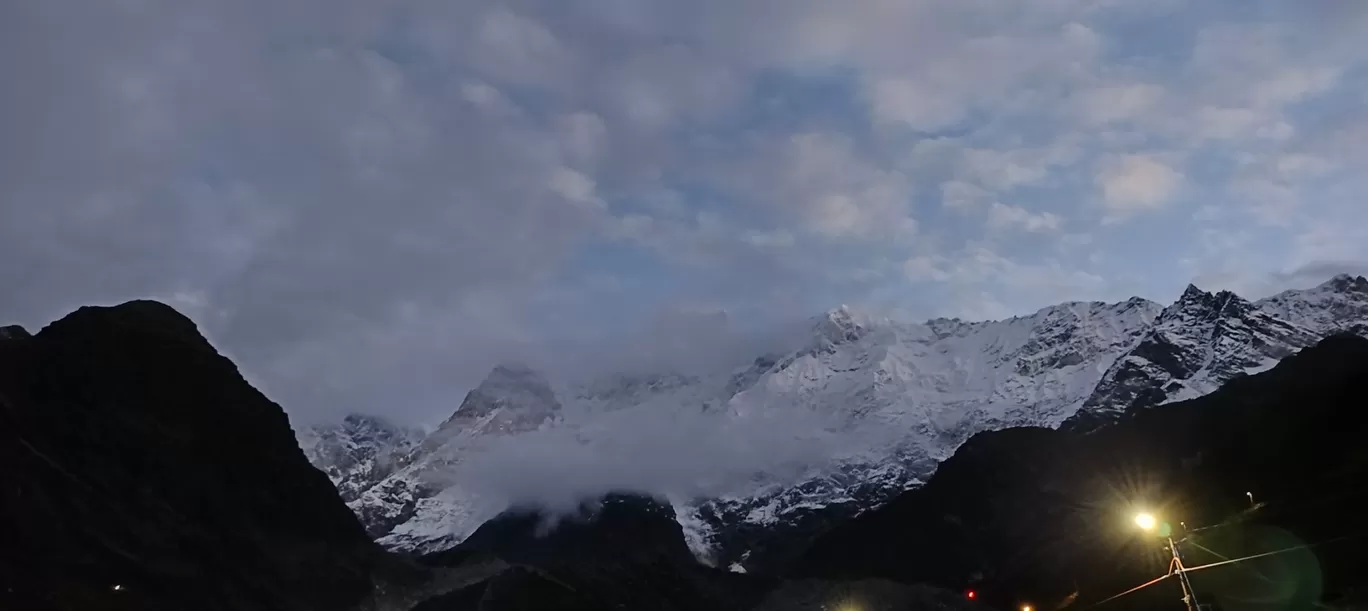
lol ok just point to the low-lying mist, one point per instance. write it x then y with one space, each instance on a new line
682 454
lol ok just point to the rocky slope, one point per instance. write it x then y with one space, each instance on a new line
1041 516
894 399
359 452
1205 339
422 506
142 472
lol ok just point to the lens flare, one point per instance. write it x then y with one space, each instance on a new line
1145 521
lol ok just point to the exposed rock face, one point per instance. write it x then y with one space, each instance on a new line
1205 339
1034 514
142 472
359 452
422 495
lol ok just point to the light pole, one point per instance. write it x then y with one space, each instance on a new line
1148 523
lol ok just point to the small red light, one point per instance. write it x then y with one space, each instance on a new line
971 594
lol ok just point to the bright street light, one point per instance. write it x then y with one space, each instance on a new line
1148 523
1027 608
1145 521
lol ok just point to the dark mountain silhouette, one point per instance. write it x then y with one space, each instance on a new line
621 552
1044 516
142 472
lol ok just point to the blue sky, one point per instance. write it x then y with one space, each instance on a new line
368 202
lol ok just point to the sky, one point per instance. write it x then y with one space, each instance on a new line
367 203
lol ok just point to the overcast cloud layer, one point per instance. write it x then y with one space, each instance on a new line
368 202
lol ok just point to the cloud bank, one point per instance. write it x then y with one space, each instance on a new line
369 203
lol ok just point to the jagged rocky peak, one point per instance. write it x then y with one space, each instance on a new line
839 326
359 451
513 397
1347 283
1196 302
363 423
1205 339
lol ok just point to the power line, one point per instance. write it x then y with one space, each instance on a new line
1224 562
1281 551
1136 588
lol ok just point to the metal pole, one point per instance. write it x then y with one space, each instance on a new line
1189 597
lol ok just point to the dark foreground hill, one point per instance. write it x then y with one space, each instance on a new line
1270 461
140 471
628 552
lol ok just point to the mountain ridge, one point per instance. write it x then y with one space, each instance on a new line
1079 365
1268 462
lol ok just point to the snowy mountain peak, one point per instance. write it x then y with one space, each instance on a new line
1193 293
516 394
840 325
1340 304
1346 283
1205 339
359 451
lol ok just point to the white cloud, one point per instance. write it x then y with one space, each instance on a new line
1294 85
1005 170
1301 166
1225 123
979 282
828 187
1134 184
962 196
517 48
920 105
770 239
1003 216
924 267
486 98
583 137
575 188
1107 104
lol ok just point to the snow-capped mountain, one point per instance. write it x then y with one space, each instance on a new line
1205 339
359 452
422 505
899 397
915 392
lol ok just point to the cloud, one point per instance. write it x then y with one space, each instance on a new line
1002 216
684 454
1113 103
1134 184
367 204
